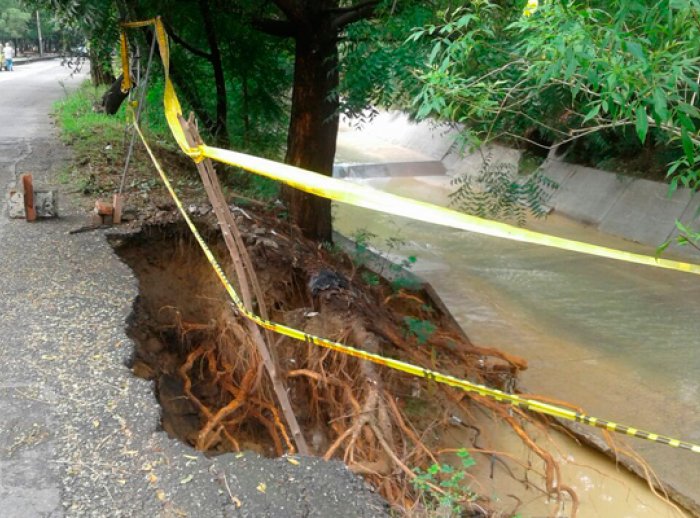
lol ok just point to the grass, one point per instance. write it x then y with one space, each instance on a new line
96 139
78 119
100 143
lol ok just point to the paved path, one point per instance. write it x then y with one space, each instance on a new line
79 434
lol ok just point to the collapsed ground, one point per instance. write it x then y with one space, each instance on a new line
384 425
210 380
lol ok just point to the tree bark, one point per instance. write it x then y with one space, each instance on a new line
220 129
313 127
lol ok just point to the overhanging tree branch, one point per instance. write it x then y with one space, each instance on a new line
351 8
177 39
279 28
290 8
355 13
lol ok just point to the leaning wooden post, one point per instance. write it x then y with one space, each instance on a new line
28 188
246 276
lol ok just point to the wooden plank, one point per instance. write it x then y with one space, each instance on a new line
117 208
246 277
28 186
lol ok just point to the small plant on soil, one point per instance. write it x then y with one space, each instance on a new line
444 488
419 328
361 254
401 281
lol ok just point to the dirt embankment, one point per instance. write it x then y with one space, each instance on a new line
216 395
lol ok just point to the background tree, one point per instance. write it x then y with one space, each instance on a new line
97 21
253 53
620 75
14 20
334 40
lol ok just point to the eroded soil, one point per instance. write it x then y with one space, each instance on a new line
215 394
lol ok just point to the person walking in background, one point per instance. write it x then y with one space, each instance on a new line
8 53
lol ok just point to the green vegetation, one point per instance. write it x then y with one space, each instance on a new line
420 329
601 80
444 488
498 192
78 118
18 23
97 140
99 143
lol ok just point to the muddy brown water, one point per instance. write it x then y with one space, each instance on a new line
610 337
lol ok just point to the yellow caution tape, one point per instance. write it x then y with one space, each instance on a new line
530 8
126 70
363 196
351 193
408 368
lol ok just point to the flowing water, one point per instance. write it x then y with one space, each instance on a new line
616 339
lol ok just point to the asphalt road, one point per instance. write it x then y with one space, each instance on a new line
79 434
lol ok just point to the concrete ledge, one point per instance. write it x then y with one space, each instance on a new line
429 138
631 208
459 164
585 194
645 213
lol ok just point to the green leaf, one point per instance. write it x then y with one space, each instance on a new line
688 147
662 248
660 104
642 124
689 110
673 186
593 112
686 122
635 49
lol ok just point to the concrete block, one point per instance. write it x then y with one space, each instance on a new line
45 203
389 169
645 213
557 171
586 194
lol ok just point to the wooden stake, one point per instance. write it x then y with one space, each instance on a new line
28 186
246 277
117 208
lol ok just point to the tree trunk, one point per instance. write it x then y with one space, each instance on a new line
220 129
313 127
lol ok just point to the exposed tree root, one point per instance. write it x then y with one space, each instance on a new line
348 409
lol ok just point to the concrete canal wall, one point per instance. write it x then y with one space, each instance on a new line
635 209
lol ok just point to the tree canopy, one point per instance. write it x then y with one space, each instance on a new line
571 71
586 76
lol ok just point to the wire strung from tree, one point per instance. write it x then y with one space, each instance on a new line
139 109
